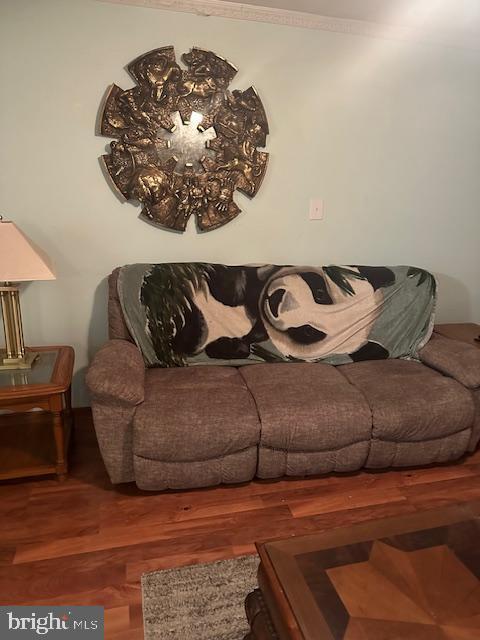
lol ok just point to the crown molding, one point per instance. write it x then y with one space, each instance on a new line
284 17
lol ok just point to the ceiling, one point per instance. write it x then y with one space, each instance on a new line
431 14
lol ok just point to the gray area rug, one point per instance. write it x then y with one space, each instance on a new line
199 602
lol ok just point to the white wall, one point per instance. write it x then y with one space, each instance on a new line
388 133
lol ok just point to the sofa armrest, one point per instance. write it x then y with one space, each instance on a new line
117 373
454 358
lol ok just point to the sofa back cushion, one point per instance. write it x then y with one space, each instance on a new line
199 313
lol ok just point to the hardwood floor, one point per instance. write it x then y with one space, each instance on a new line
84 541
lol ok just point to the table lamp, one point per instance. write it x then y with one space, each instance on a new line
20 260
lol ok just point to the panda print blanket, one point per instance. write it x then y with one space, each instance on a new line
183 314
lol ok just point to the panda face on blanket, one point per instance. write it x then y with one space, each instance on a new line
307 313
308 316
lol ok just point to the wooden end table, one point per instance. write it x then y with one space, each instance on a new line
34 443
465 332
412 577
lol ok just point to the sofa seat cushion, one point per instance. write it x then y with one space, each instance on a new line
387 453
157 475
194 414
313 420
410 402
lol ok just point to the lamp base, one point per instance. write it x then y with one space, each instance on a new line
9 364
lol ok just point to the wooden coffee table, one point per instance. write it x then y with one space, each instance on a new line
414 577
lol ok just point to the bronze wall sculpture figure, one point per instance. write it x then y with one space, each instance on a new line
183 142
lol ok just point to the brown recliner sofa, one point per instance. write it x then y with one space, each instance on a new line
198 426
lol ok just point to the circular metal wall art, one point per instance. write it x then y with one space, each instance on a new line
183 142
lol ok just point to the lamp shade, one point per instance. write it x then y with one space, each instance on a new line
20 259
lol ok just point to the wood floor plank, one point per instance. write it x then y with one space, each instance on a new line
301 507
134 633
347 517
43 519
116 515
117 619
436 494
439 474
110 538
136 616
111 596
7 554
85 541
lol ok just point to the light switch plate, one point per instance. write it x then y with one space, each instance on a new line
316 211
